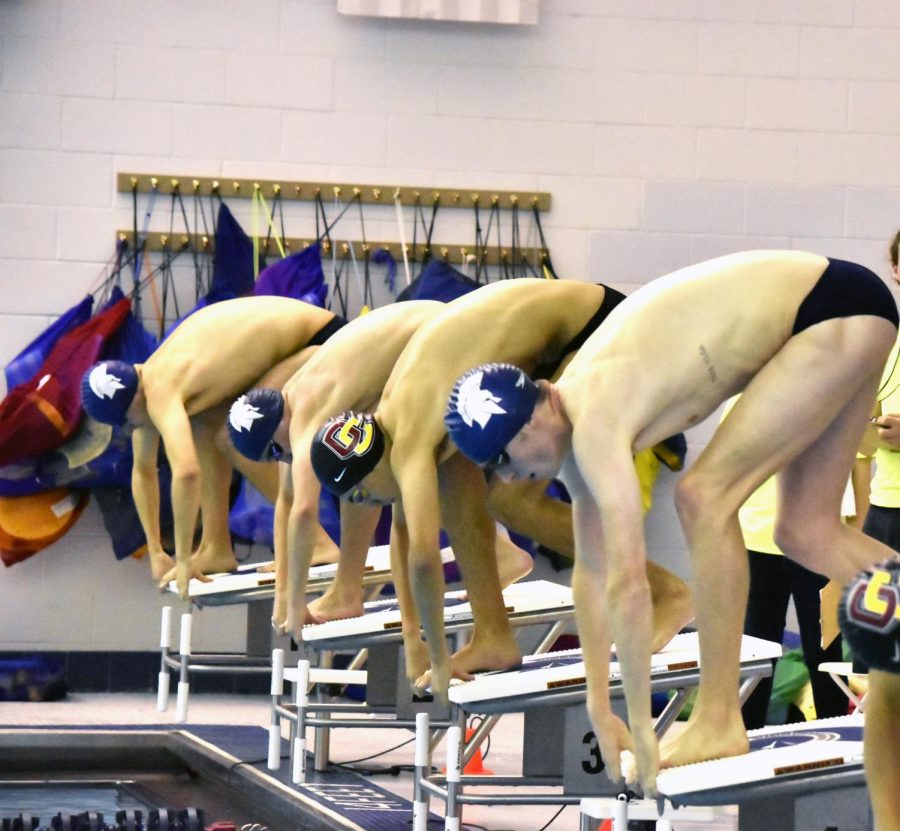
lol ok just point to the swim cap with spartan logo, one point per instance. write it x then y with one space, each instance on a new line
345 450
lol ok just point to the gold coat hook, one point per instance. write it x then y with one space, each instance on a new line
236 186
215 186
276 188
376 194
174 184
196 185
154 182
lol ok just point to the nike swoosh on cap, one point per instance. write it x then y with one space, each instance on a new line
341 476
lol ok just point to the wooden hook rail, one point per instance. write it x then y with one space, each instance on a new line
328 191
453 254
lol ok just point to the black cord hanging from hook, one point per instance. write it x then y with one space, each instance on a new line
546 262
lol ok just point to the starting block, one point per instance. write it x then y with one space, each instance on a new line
248 586
376 639
551 689
796 777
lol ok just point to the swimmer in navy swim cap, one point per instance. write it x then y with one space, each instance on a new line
533 324
181 395
107 390
806 346
273 426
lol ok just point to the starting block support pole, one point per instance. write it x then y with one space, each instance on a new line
181 706
276 691
298 767
423 761
165 644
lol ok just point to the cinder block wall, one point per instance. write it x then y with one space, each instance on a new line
666 132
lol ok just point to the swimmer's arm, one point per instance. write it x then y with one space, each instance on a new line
416 474
301 525
280 539
414 648
175 430
145 485
615 492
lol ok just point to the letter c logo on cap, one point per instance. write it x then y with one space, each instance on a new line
352 437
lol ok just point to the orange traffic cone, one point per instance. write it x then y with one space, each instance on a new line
475 765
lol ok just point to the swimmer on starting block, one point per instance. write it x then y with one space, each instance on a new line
265 424
805 338
401 454
181 394
349 372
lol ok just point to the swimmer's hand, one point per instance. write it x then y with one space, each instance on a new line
632 759
639 769
182 574
428 679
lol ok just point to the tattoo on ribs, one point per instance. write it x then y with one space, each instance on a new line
710 369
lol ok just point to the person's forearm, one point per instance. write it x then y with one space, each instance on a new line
185 507
593 630
301 545
630 616
145 491
427 582
409 615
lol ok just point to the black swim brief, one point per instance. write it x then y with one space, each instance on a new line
845 290
611 299
337 322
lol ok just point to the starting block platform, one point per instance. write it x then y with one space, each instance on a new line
532 602
376 641
796 777
247 586
559 745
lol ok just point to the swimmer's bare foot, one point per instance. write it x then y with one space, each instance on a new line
513 563
673 605
337 603
483 656
266 568
702 740
325 550
214 559
160 565
471 659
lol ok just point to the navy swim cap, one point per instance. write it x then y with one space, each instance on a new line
487 407
346 450
869 614
107 390
253 420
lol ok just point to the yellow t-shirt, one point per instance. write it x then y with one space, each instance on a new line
886 482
